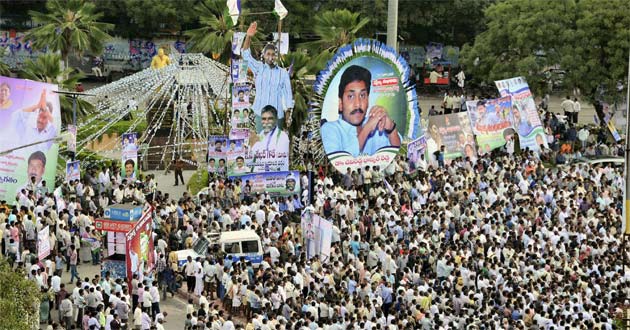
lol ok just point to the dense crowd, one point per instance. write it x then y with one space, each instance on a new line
509 241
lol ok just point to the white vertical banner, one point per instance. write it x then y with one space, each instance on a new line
43 243
72 138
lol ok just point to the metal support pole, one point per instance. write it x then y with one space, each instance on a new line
392 23
626 192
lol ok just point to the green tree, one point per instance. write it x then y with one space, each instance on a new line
523 38
589 39
47 68
19 299
70 27
598 56
215 34
334 28
4 68
148 19
299 62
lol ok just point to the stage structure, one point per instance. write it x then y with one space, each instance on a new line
179 103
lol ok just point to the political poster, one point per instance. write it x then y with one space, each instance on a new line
30 120
240 97
434 50
415 151
239 71
237 42
236 158
269 149
241 118
365 88
217 152
491 122
285 183
73 171
525 118
72 138
43 243
139 246
284 42
316 235
129 156
454 132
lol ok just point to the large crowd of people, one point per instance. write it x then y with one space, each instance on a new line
513 240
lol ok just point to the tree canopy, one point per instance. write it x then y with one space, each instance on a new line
69 27
19 299
589 39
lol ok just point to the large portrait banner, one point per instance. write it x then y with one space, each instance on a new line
491 122
454 133
30 121
525 118
365 106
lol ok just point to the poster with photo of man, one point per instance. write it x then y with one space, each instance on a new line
367 108
129 156
73 171
217 153
30 121
240 97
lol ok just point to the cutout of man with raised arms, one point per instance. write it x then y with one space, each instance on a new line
273 86
358 131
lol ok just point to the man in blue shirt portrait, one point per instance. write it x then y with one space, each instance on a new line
273 86
358 130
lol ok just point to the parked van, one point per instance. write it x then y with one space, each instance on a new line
242 243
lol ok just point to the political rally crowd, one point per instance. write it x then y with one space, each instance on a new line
510 241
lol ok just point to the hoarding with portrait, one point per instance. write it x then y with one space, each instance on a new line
240 97
73 171
316 235
129 156
217 147
454 132
491 122
30 120
415 150
367 106
285 183
525 118
139 245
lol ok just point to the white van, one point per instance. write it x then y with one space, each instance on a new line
242 243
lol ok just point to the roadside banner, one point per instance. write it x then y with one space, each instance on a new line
524 115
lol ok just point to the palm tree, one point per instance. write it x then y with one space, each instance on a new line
215 35
47 68
4 68
70 27
334 28
299 63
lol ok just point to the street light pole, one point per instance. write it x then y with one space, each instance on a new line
392 24
626 191
74 96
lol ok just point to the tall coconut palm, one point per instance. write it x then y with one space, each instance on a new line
334 28
299 68
47 68
215 35
4 68
69 27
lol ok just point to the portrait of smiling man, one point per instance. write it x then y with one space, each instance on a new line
359 129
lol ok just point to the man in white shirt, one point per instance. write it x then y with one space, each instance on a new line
567 108
271 149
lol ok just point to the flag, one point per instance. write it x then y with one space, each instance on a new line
233 9
279 10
